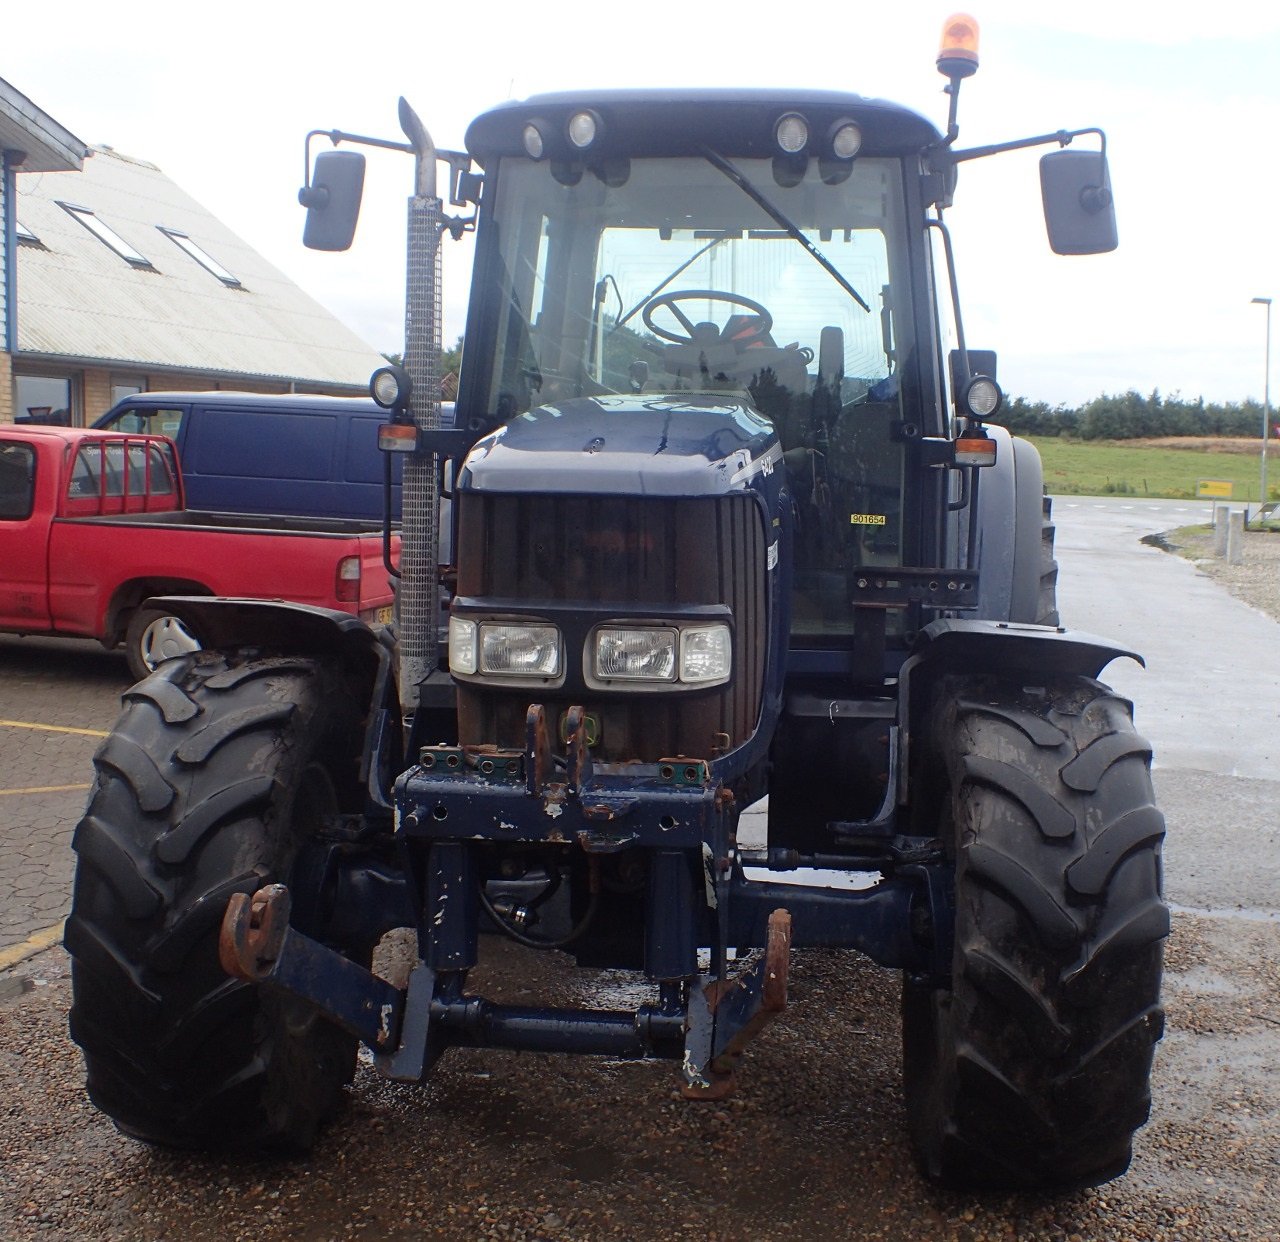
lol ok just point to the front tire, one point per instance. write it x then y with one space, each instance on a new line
1032 1068
218 773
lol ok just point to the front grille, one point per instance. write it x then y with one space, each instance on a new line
535 551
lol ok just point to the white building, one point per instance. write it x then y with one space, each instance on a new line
125 283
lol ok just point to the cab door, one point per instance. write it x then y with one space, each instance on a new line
24 596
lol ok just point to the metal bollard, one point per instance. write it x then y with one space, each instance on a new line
1235 538
1221 515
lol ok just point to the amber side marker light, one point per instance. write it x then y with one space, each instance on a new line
958 53
398 437
971 450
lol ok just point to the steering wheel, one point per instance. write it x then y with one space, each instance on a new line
758 331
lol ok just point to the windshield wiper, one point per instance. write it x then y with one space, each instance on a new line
782 221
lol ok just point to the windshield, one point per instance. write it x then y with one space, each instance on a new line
598 278
787 288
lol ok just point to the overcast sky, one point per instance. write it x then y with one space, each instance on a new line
221 96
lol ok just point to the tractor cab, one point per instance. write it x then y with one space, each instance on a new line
769 250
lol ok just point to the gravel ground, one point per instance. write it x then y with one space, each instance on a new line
1256 581
503 1146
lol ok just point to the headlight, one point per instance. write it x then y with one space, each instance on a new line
519 650
390 387
462 645
503 649
635 655
706 654
534 142
982 397
583 128
697 655
846 139
791 133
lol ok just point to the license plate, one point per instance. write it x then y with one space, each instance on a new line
383 615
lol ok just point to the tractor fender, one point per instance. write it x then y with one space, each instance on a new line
1010 520
955 645
221 623
366 656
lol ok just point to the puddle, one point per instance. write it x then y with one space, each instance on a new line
612 989
1245 914
593 1164
11 989
1207 983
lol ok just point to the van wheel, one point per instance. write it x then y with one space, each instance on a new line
154 636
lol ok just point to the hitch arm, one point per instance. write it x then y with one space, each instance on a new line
258 945
726 1014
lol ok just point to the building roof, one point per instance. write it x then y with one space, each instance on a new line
158 305
46 146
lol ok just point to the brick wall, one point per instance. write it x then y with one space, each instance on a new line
95 395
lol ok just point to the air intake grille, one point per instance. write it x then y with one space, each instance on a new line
532 550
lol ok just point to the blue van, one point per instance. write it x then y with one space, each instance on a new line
253 453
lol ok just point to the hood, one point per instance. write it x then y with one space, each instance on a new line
678 444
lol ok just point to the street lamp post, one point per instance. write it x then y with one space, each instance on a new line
1266 401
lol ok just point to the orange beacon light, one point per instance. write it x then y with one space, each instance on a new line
958 53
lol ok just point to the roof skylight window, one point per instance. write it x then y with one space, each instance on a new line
206 261
107 235
24 234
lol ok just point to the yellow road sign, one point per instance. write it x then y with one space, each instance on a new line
1216 489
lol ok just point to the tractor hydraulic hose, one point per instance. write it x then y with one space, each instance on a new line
537 942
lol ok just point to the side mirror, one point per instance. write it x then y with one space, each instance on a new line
1078 208
332 200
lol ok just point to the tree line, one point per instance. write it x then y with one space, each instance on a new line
1132 416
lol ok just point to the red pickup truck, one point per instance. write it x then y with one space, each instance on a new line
92 524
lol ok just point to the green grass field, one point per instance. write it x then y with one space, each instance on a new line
1116 467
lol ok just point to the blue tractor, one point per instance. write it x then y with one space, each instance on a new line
726 625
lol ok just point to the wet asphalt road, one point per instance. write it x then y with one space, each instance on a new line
504 1146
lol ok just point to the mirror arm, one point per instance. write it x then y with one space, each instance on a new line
420 146
459 161
1063 138
314 197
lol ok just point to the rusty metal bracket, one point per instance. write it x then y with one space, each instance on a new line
726 1014
577 753
538 762
257 944
253 932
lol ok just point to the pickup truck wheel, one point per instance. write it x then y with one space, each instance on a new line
1030 1068
219 770
154 636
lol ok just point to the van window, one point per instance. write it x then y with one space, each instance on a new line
17 481
258 444
149 421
